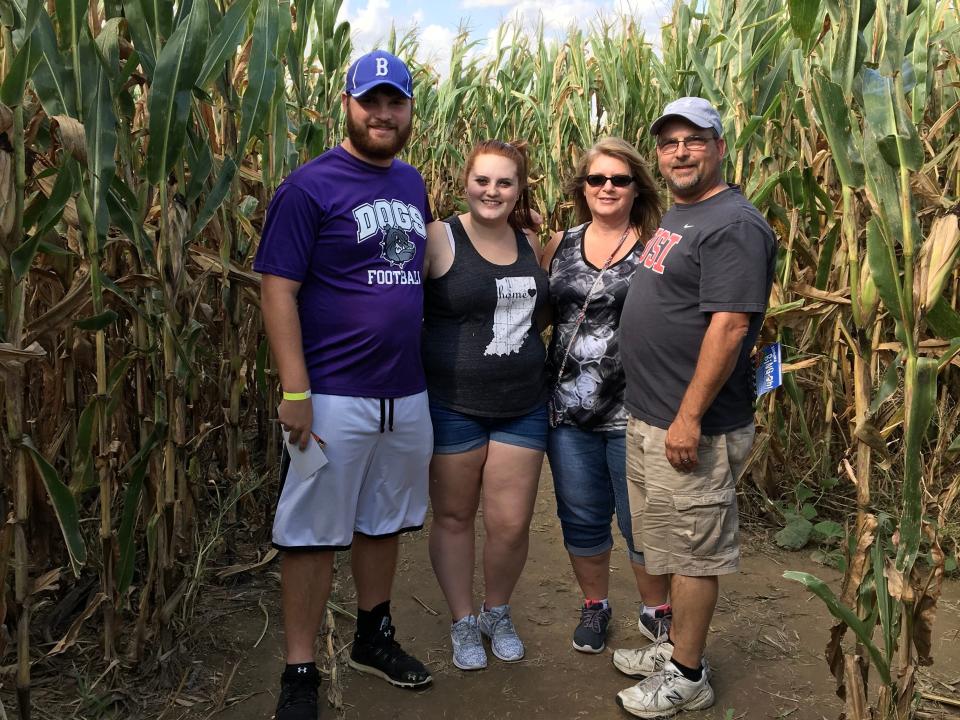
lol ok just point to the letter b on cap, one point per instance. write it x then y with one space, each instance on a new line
381 66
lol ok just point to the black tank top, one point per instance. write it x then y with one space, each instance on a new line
481 349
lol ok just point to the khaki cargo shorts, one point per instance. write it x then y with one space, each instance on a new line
686 523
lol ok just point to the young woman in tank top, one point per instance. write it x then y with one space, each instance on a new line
484 361
590 268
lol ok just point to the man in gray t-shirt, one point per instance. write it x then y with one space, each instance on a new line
689 322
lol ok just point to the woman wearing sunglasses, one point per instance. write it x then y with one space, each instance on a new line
484 361
590 268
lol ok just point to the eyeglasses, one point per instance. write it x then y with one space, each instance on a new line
619 181
693 143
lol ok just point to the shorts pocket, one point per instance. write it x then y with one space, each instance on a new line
703 517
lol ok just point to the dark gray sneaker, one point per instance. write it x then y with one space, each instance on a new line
656 628
591 634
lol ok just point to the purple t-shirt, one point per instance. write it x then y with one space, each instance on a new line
354 235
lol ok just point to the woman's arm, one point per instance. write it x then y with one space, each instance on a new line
550 250
439 255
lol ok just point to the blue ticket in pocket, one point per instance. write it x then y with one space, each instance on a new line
769 373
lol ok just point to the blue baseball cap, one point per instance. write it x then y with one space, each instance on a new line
378 68
692 109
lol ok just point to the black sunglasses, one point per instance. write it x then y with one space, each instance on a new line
601 180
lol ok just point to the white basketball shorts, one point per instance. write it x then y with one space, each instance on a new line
375 482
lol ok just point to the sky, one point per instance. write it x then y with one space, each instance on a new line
437 21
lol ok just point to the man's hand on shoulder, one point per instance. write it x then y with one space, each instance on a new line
682 441
296 416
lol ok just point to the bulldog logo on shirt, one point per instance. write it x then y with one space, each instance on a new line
397 249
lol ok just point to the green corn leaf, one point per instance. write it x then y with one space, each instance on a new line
97 322
23 66
262 73
200 162
951 352
828 247
82 469
137 467
223 44
71 18
177 71
51 249
100 132
51 79
834 117
888 384
840 611
141 31
22 257
260 371
920 395
64 507
883 268
803 17
215 197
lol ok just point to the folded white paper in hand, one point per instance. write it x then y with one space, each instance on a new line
306 463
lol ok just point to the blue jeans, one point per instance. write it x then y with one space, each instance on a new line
590 482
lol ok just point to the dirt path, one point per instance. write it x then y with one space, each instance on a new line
766 644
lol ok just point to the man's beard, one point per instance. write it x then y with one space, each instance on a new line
686 187
385 149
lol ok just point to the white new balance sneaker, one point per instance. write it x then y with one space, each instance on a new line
666 693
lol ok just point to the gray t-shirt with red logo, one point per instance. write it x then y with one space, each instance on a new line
716 255
354 235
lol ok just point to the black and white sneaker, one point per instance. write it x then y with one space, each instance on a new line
298 693
382 656
591 634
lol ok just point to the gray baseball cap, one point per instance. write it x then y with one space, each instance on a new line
692 109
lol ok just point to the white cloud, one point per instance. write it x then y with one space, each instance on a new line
435 44
467 4
369 26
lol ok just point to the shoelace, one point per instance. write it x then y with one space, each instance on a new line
656 681
590 616
506 622
464 631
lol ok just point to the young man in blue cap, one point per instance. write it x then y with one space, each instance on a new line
341 256
689 322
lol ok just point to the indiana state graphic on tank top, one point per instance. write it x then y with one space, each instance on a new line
482 352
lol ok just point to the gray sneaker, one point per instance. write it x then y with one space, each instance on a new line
656 628
497 625
591 634
468 652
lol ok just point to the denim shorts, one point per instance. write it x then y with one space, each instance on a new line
457 432
590 482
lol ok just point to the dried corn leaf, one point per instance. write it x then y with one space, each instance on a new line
938 258
853 673
47 581
839 298
71 135
71 635
237 569
13 358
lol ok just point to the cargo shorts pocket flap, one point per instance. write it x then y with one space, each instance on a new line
707 499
